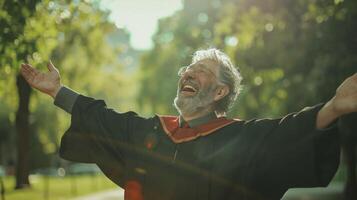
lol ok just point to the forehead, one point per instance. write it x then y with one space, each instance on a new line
207 63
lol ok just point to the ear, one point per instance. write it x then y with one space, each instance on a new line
221 92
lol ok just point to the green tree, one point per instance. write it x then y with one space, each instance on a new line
283 49
14 48
177 37
74 35
291 53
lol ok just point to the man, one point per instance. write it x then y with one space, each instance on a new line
201 154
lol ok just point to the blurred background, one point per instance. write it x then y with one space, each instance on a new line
291 53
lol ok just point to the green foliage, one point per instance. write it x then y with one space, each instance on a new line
74 35
86 62
177 37
291 53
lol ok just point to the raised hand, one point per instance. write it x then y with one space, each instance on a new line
344 102
49 82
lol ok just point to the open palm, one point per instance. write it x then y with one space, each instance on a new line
48 82
345 100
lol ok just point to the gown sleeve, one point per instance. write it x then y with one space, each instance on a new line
291 152
103 136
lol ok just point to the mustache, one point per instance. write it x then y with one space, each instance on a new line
189 82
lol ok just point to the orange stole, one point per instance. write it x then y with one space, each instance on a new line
179 134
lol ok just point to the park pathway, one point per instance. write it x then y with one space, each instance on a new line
332 192
116 194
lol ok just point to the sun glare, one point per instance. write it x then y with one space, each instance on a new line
140 17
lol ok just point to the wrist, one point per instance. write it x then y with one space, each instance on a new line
54 92
327 115
334 108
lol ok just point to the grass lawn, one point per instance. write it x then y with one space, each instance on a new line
59 188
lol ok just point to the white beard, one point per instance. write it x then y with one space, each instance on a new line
203 100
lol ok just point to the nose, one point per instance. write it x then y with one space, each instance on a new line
188 75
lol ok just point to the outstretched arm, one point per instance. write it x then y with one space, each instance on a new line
344 102
48 83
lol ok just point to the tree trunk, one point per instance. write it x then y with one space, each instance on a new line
23 133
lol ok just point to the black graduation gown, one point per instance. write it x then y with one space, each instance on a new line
256 159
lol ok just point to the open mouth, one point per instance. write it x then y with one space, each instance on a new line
188 89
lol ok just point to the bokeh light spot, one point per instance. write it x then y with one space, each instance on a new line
202 18
269 27
258 80
231 41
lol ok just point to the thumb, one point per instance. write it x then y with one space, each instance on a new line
51 67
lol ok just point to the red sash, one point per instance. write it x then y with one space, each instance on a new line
179 134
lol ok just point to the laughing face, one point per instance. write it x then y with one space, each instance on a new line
197 87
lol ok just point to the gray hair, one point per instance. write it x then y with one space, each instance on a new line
228 75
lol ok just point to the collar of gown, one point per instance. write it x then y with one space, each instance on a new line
180 131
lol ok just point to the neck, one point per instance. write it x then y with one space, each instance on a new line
192 116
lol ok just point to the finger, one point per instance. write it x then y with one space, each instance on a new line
31 69
26 71
26 74
24 68
27 67
50 66
34 72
